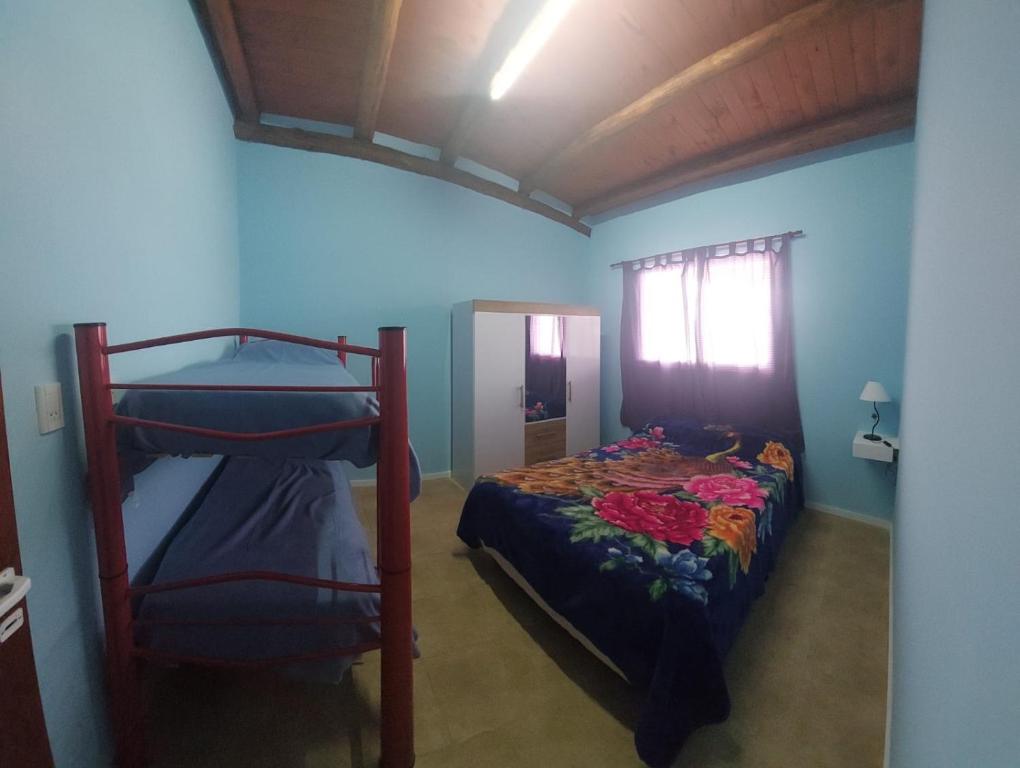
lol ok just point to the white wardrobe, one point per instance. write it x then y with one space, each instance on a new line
497 423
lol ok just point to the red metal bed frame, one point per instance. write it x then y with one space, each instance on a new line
389 382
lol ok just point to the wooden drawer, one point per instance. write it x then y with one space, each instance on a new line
545 440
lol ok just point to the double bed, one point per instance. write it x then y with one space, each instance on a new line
650 551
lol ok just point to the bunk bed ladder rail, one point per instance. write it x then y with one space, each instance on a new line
103 480
394 554
389 381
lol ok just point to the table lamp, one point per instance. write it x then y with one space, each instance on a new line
875 393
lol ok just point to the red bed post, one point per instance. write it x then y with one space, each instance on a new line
394 519
104 496
342 353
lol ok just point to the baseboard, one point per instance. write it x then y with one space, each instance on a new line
859 517
364 482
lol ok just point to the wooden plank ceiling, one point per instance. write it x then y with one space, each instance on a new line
627 99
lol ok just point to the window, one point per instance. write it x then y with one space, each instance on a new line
546 335
723 319
707 334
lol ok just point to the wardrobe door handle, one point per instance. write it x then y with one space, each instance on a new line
570 391
521 390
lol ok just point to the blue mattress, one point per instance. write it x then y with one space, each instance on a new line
290 516
260 363
163 497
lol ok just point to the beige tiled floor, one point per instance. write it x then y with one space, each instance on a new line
499 684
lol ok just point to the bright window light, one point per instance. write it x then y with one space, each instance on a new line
546 335
735 303
667 330
535 36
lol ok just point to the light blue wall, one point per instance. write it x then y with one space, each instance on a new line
334 245
117 203
324 237
956 574
122 195
849 286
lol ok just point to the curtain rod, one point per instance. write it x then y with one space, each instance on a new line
792 233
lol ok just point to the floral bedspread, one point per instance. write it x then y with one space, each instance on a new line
654 548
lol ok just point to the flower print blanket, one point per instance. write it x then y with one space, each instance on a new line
654 548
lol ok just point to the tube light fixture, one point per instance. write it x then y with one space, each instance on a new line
535 36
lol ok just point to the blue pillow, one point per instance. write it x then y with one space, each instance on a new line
696 438
272 351
690 436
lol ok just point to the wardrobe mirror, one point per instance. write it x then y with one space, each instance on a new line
545 368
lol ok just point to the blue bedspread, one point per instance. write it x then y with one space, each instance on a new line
164 496
290 516
261 363
654 548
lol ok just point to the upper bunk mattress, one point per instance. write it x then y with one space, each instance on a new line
272 363
290 516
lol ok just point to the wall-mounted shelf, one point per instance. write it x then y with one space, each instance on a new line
887 449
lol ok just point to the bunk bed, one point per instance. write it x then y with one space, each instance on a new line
650 552
225 530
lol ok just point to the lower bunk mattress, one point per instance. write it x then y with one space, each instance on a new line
290 516
653 550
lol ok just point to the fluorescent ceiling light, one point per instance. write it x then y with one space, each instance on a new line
535 36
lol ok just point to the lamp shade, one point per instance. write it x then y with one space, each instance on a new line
874 392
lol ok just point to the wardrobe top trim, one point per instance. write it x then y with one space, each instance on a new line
531 308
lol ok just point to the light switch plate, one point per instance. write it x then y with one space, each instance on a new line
49 407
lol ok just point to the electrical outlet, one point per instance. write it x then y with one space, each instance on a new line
49 407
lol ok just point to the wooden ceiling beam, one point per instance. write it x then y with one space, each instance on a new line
470 117
296 138
385 16
726 59
224 27
827 133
